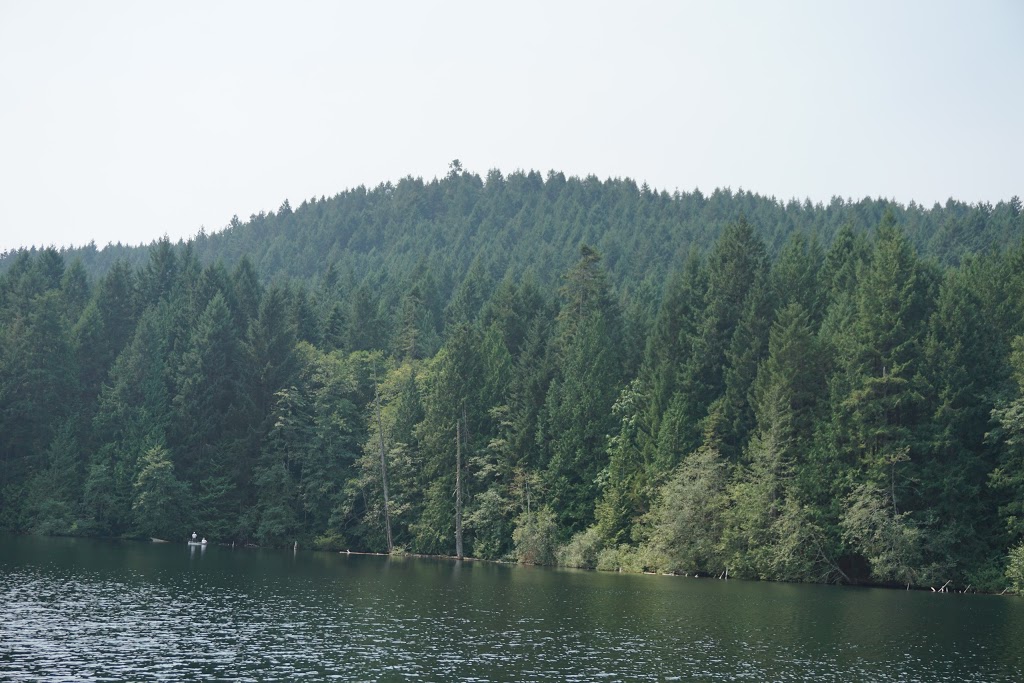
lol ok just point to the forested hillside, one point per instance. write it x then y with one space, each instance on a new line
566 370
524 221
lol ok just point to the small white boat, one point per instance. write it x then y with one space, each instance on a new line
202 542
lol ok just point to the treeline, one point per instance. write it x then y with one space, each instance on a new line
836 409
508 224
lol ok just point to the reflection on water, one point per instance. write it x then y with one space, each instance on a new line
88 610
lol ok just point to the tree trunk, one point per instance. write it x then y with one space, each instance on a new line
383 466
458 488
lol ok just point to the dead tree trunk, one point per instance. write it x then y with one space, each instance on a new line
383 465
458 488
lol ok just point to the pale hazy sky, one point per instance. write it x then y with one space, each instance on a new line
124 121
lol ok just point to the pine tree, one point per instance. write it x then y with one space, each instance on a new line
748 346
160 276
209 391
280 473
454 386
1008 477
133 415
688 520
578 405
960 355
795 276
884 407
771 503
161 500
626 488
735 266
668 351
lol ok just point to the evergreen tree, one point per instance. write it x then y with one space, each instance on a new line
209 390
360 514
668 352
747 348
247 292
858 404
578 405
771 530
795 276
280 472
55 492
960 354
209 427
687 522
269 349
735 266
133 415
884 407
161 500
1008 477
454 387
626 485
333 449
160 276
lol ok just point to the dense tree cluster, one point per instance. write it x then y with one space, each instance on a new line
587 373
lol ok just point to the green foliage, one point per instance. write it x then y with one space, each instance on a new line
490 525
535 537
638 381
582 550
889 539
580 398
668 351
161 500
1015 569
687 522
1008 476
626 483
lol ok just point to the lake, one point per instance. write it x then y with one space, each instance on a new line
89 610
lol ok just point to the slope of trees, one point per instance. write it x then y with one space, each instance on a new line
612 378
396 233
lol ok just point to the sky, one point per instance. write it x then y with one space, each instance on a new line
127 121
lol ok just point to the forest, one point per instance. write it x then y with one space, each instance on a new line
541 369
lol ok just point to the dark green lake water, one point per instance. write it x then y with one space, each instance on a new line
81 610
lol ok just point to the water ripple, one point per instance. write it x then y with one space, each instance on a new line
154 615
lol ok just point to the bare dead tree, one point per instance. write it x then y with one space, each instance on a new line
458 488
383 462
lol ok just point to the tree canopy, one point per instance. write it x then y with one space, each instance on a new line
610 376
